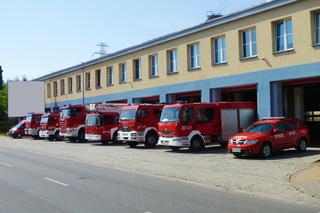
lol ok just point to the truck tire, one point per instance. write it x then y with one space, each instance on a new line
115 138
51 138
151 140
174 149
132 144
72 139
82 136
266 150
302 145
196 144
57 136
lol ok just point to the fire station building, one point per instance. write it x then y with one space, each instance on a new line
269 54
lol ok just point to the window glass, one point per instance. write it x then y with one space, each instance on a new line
187 115
173 60
289 126
249 43
123 72
284 35
154 65
194 56
220 55
317 27
263 128
137 69
281 127
110 76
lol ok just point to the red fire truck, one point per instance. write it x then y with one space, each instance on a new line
139 124
50 127
72 122
33 124
195 125
102 124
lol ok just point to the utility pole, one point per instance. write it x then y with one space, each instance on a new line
1 78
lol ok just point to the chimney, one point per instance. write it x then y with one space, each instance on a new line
211 15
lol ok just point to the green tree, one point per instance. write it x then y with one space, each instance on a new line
4 102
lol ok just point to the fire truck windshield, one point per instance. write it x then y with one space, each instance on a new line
262 128
170 115
129 114
19 124
67 113
44 119
29 118
92 120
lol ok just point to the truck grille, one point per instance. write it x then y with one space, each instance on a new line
168 132
126 128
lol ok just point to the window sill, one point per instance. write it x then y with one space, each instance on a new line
88 89
154 76
194 69
249 58
123 82
316 45
172 73
283 51
220 64
78 91
100 87
70 93
140 79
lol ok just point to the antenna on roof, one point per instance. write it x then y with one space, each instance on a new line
102 51
212 15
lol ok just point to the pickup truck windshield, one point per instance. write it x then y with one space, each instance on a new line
262 128
128 114
170 115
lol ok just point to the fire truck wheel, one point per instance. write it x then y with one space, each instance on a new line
115 138
82 136
238 155
50 138
174 149
57 136
35 137
151 139
302 146
19 136
266 150
72 139
196 144
132 144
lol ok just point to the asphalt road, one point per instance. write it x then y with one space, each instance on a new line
39 184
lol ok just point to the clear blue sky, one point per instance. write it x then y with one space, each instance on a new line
41 36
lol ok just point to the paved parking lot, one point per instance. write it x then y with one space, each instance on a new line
212 167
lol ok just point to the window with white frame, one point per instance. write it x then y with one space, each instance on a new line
109 76
283 35
88 81
194 56
55 89
70 85
98 79
78 83
48 90
249 43
153 61
220 54
62 88
172 61
137 69
123 72
317 28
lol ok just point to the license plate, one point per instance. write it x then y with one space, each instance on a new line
237 150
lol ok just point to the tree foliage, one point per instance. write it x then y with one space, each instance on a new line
4 102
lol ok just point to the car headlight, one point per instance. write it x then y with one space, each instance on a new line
251 141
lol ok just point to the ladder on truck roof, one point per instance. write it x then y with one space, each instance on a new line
110 107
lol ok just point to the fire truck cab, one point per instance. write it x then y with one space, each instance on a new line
139 124
50 127
72 122
195 125
33 124
102 124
